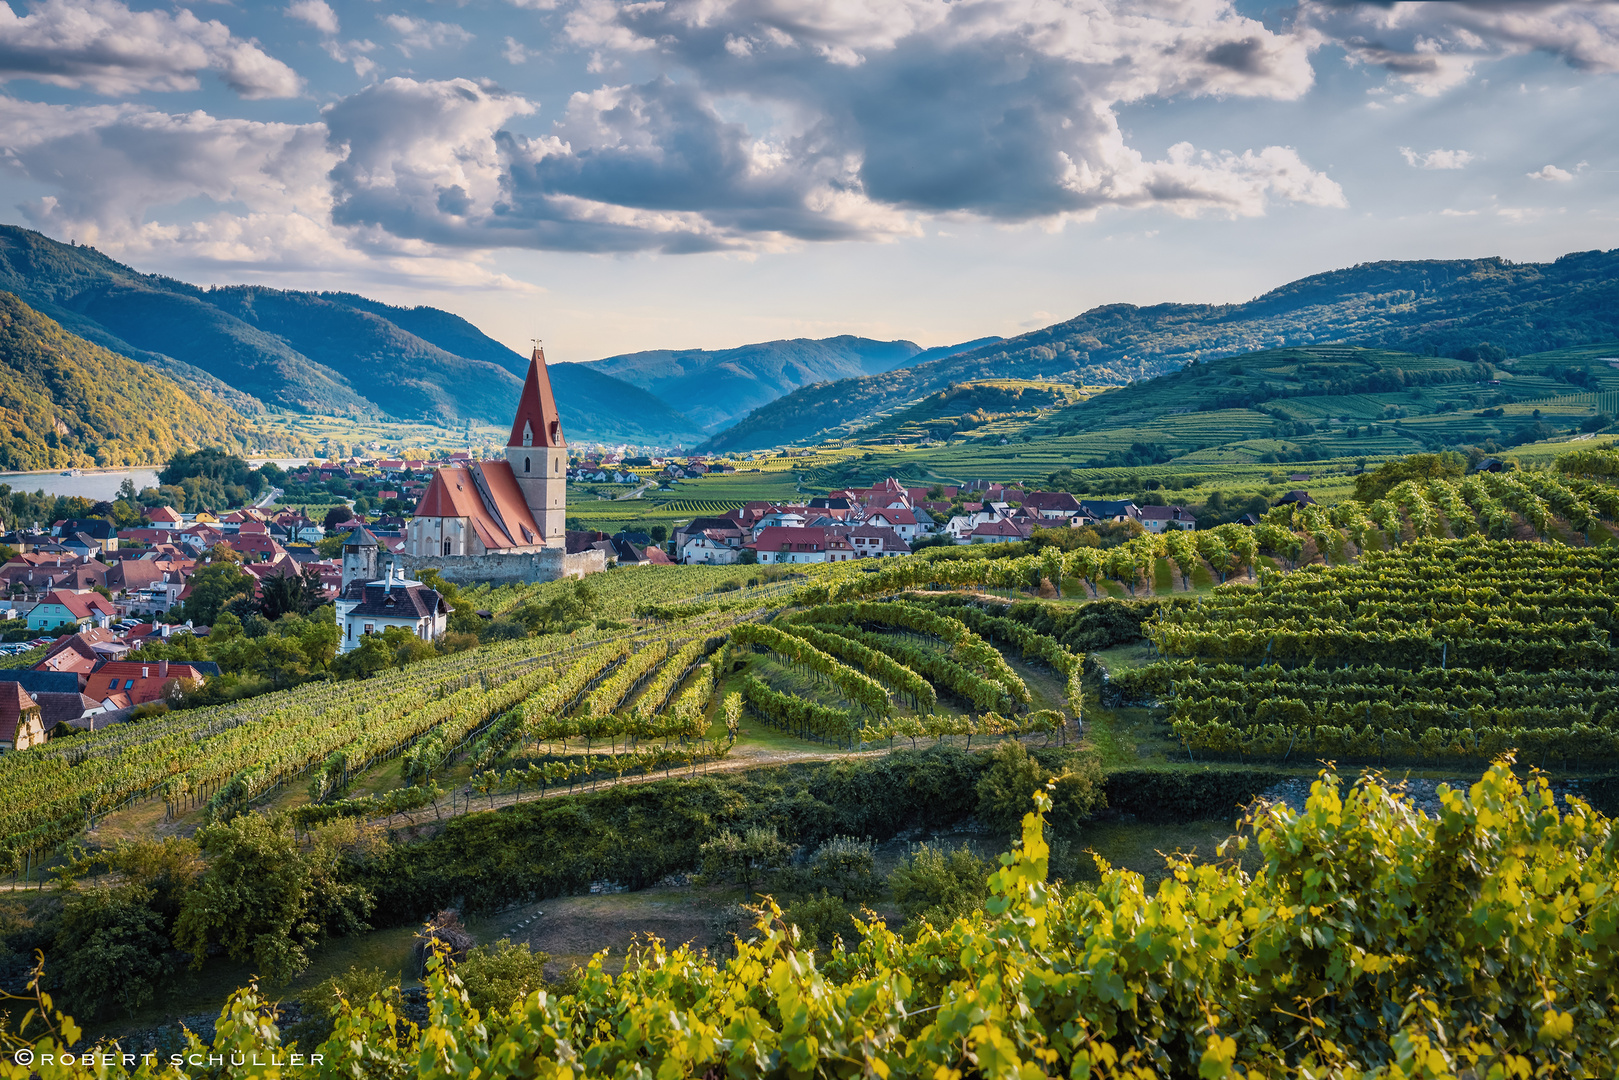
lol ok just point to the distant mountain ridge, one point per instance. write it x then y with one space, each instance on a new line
331 353
1420 306
715 387
67 401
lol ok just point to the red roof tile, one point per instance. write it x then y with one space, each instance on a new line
537 409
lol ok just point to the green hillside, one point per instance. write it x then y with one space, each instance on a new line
333 354
716 387
66 402
1431 307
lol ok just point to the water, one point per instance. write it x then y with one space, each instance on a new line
102 485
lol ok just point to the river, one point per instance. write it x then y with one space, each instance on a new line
101 485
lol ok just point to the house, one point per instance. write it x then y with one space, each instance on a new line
63 607
694 529
1095 510
834 507
21 719
876 542
82 652
99 535
902 521
1051 505
715 547
645 553
1157 519
370 607
124 683
164 517
996 532
781 518
1296 498
62 713
782 544
961 526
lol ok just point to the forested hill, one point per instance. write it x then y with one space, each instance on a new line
66 401
1423 307
715 387
329 353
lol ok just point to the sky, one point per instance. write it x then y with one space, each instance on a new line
704 173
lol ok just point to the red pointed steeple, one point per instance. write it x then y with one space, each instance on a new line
537 422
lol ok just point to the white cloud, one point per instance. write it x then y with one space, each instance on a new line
513 52
1551 172
1432 46
420 34
118 167
1438 159
317 13
103 45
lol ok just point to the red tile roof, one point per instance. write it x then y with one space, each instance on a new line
14 705
537 409
139 681
504 522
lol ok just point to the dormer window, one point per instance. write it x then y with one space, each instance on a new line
528 434
554 431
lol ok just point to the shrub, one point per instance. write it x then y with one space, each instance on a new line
497 975
821 921
934 886
845 867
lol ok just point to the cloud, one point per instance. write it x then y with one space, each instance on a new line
119 169
1432 46
1551 172
103 45
513 51
317 13
1437 159
420 34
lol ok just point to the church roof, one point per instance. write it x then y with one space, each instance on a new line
487 493
537 408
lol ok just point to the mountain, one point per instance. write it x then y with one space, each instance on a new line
328 353
715 387
1429 307
65 401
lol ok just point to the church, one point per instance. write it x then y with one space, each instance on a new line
504 520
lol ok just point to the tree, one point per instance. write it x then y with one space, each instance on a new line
282 594
933 886
742 857
111 949
335 517
497 975
1006 790
266 901
370 656
213 587
845 867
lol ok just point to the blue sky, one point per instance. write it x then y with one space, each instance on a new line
678 173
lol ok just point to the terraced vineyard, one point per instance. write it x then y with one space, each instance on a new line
1447 650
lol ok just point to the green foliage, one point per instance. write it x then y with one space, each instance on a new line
935 886
1449 465
845 867
69 402
265 899
114 950
743 857
332 998
497 975
213 588
821 922
1007 787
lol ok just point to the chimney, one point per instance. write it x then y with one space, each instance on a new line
162 669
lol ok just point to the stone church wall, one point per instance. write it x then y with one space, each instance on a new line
551 564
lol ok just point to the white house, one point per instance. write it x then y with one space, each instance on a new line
903 522
370 607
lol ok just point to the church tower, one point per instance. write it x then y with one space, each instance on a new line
359 557
538 453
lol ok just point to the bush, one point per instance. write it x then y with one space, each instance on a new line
744 857
111 949
497 975
325 1003
1192 794
845 867
1007 788
936 887
821 921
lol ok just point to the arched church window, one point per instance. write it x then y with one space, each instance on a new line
525 464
